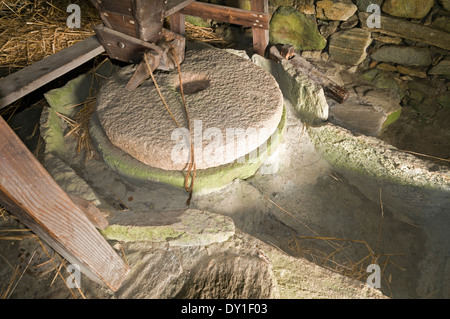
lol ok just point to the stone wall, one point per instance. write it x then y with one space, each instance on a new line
410 37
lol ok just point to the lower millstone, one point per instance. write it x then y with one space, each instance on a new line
206 180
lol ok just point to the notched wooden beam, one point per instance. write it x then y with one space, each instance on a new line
231 15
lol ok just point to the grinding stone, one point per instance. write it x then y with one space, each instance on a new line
224 92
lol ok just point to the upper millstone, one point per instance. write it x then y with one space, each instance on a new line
234 107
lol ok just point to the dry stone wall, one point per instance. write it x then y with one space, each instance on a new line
411 36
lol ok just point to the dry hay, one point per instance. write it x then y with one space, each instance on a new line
206 35
33 30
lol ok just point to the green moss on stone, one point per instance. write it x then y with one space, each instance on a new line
367 157
207 179
52 133
197 21
392 118
139 233
289 26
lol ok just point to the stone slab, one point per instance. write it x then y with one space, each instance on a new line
191 227
403 55
307 97
408 30
349 46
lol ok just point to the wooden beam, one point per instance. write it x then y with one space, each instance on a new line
30 78
31 194
174 6
260 36
231 15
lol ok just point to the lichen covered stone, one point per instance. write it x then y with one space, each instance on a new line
289 26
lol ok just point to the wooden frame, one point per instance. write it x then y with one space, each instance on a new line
258 18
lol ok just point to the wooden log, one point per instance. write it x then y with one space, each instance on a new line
29 192
231 15
142 72
260 36
333 90
28 79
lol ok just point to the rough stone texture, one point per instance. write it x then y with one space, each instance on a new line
445 4
349 46
307 98
207 180
408 30
363 4
415 9
289 26
232 94
386 39
335 10
368 110
68 179
329 28
403 55
305 186
384 80
442 68
419 73
442 23
306 6
191 227
372 157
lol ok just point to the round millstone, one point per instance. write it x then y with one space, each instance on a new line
236 114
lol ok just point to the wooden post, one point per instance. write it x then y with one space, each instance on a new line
149 18
31 194
260 36
177 23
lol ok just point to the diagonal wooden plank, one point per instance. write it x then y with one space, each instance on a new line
30 78
31 194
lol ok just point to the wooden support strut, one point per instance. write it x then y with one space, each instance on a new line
31 194
258 19
260 36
